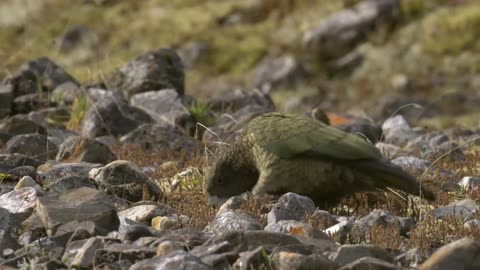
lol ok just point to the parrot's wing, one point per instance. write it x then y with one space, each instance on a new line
288 136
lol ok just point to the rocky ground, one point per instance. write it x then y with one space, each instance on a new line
112 110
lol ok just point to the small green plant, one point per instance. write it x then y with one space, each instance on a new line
191 179
79 107
5 176
202 113
412 8
29 263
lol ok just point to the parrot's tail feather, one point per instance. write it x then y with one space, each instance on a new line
386 174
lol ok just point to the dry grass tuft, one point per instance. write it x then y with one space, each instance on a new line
194 205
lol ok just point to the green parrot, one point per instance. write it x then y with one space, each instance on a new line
279 153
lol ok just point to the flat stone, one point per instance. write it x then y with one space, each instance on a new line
82 204
461 254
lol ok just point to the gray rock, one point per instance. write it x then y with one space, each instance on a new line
134 232
32 228
113 252
65 93
463 210
33 145
169 222
98 94
30 102
20 124
295 261
145 213
448 150
180 260
461 254
6 226
26 181
428 140
291 206
167 247
153 70
413 164
77 149
371 263
88 228
473 225
6 100
22 171
164 106
342 31
297 228
411 258
159 137
125 180
81 253
51 118
184 237
323 217
226 246
237 99
234 203
40 74
255 259
349 253
377 218
9 162
50 174
80 204
233 220
20 203
469 183
397 131
45 248
112 116
342 229
70 182
280 72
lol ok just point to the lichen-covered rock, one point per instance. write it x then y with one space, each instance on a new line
172 261
33 145
164 106
78 149
290 206
125 180
40 74
112 116
145 212
233 220
153 70
159 137
20 124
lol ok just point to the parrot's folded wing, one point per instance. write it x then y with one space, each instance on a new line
289 136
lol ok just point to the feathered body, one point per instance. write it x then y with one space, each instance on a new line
279 153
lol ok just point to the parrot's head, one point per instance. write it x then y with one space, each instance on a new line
231 174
